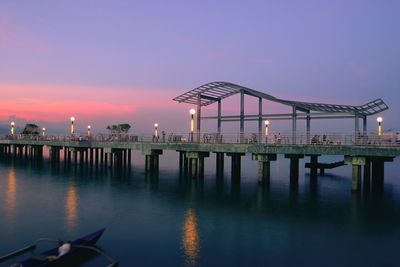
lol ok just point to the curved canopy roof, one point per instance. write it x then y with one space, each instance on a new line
214 91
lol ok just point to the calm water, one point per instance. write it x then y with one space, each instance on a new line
169 220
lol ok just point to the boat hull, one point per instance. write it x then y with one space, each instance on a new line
88 240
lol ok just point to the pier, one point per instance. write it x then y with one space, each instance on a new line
366 159
366 152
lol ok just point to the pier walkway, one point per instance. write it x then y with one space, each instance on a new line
366 153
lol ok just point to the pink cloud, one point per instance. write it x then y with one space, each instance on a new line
57 102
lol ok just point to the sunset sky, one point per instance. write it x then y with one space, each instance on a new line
108 62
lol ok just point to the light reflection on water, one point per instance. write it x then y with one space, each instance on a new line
71 208
11 194
190 238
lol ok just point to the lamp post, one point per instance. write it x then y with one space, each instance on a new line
266 131
43 132
156 131
12 128
88 130
192 112
379 120
72 125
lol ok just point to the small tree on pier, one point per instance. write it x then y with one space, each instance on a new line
118 129
31 128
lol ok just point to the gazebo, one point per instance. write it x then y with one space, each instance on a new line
215 92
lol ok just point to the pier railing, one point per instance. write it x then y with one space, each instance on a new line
283 138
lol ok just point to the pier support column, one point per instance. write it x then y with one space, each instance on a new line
54 154
367 175
115 157
105 158
119 158
152 159
181 159
68 156
129 151
356 178
74 155
81 156
236 164
124 157
96 157
102 156
264 166
193 167
38 152
220 163
196 163
91 156
378 172
14 151
313 166
294 166
356 162
111 159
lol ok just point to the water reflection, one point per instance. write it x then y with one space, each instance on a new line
190 238
71 208
11 194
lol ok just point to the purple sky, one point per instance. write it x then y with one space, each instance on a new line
112 57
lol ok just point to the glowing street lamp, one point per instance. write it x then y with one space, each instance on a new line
379 120
12 128
192 112
88 130
44 132
72 125
156 130
266 131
